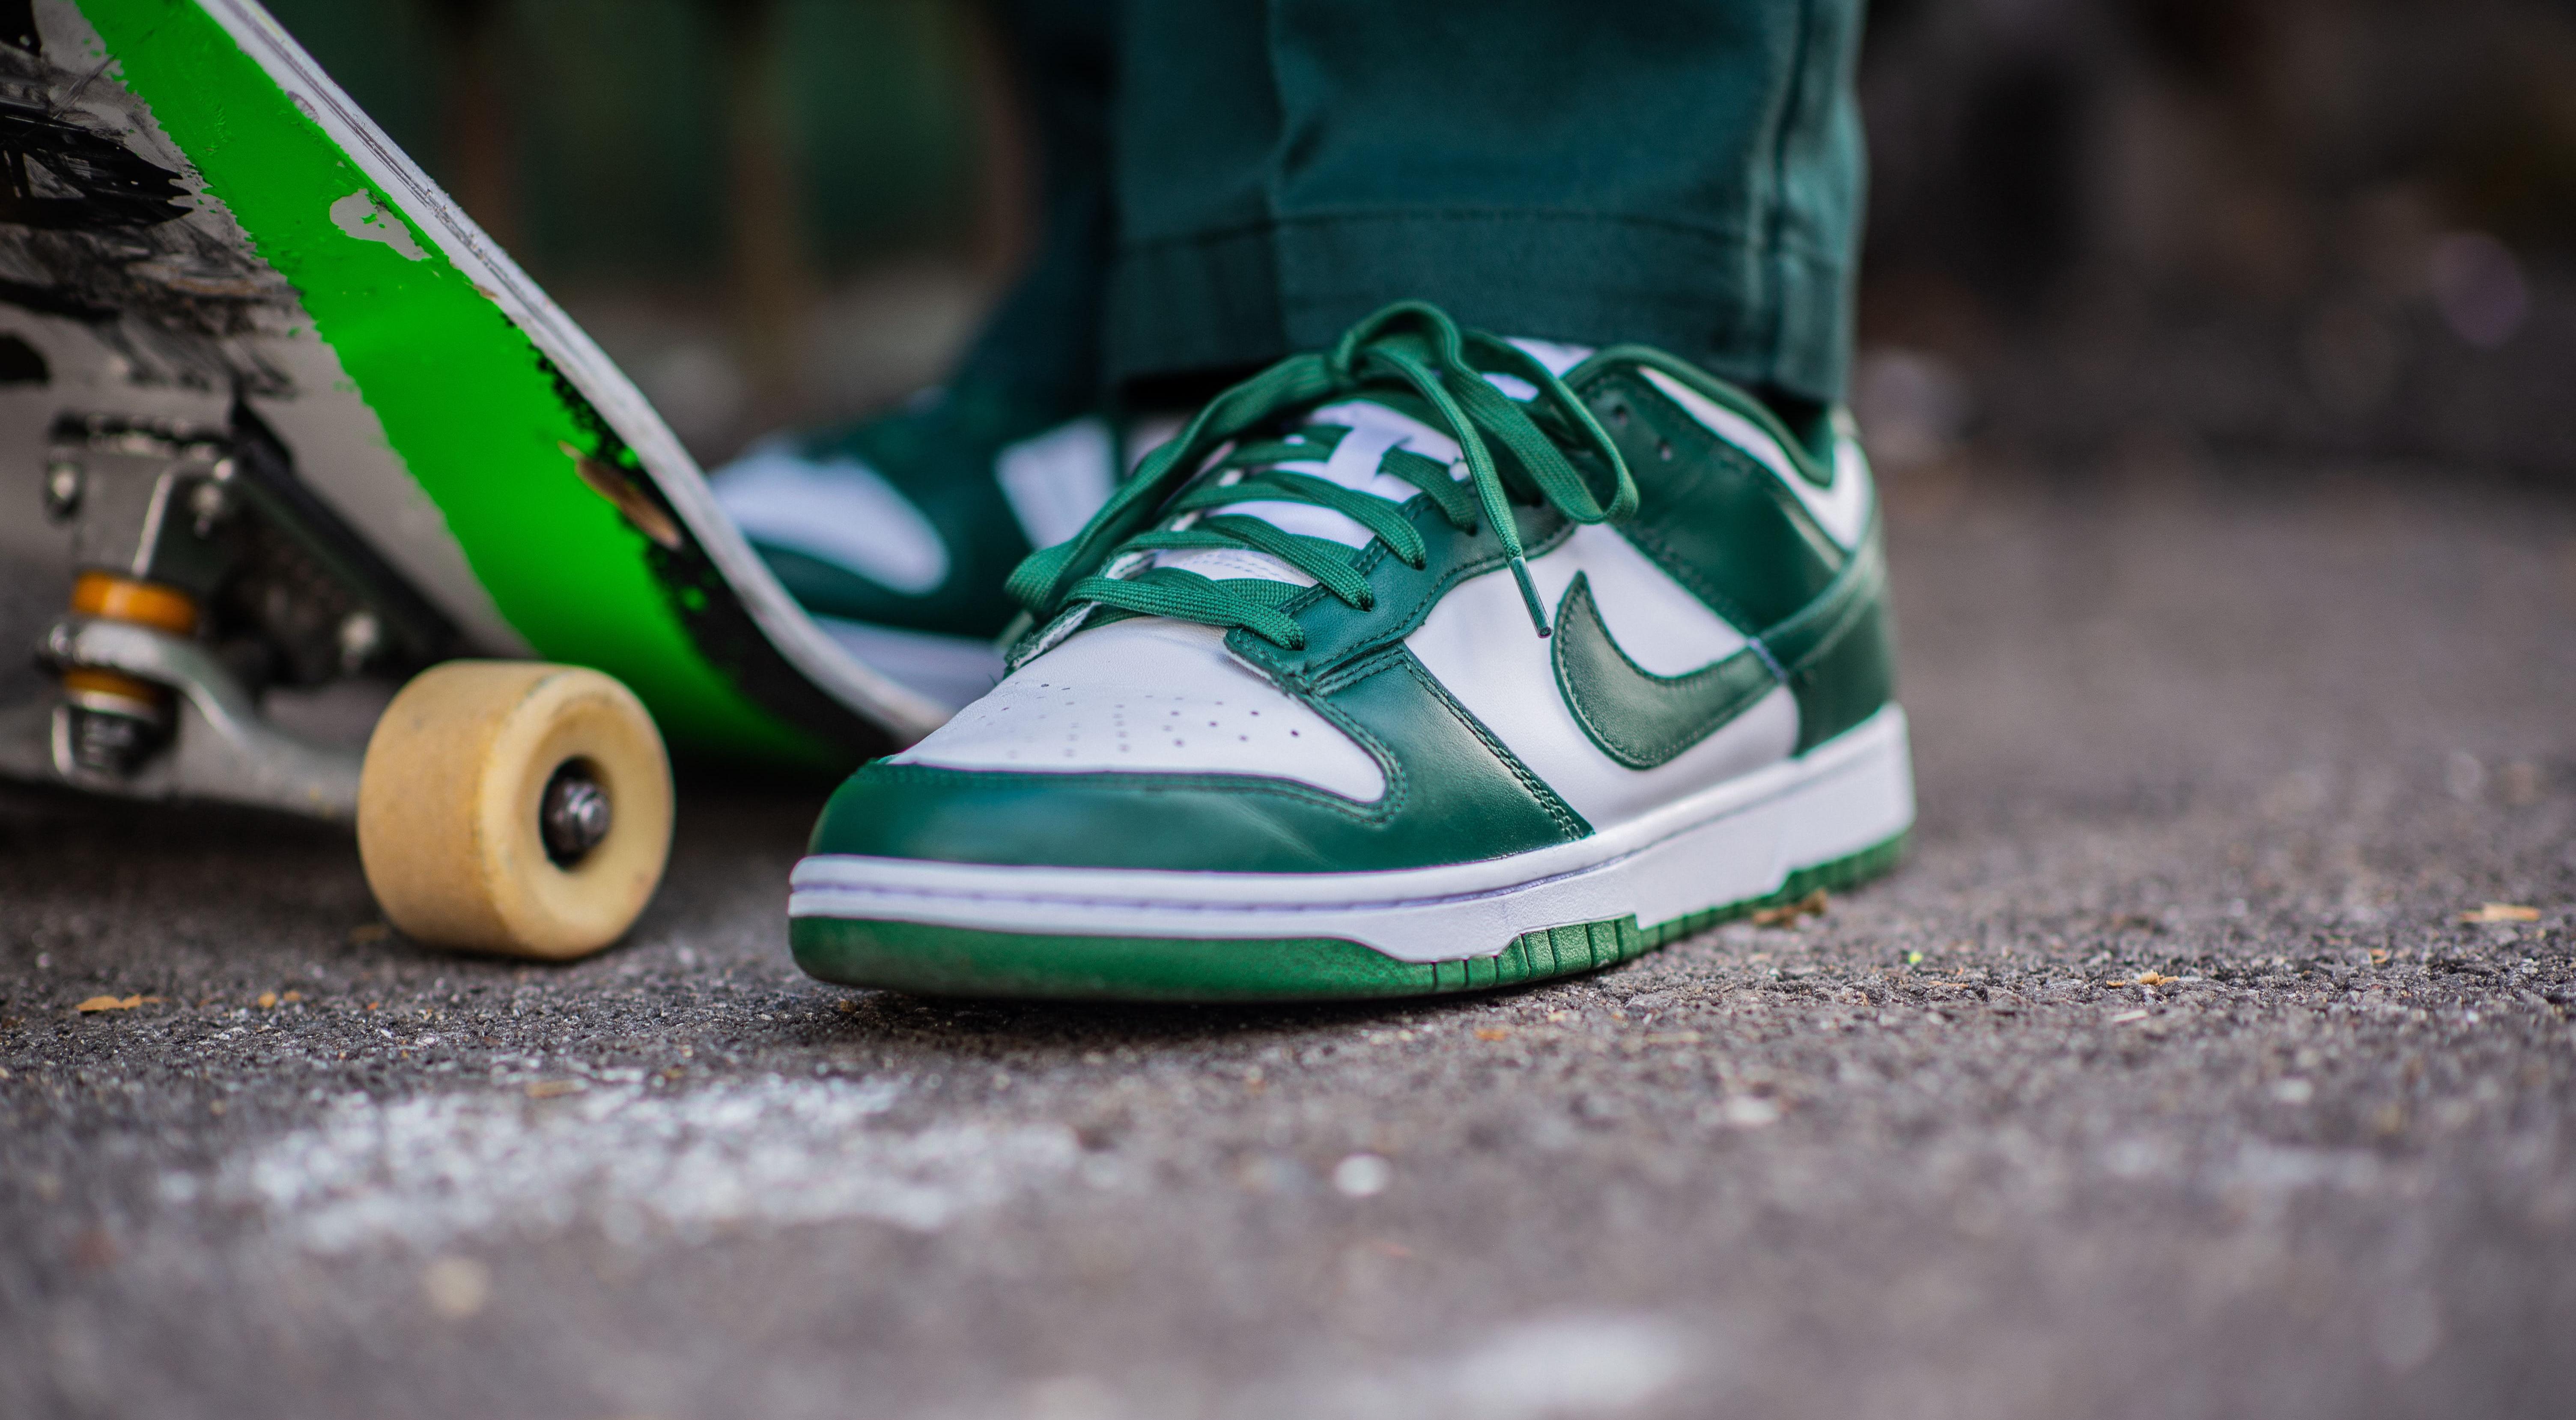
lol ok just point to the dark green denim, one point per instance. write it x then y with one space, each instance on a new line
1686 173
1040 349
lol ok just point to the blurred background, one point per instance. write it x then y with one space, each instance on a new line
2106 235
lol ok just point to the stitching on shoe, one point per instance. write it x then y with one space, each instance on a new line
1557 809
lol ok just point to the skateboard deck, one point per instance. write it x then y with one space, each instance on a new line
214 266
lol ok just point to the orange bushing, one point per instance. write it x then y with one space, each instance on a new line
110 597
117 685
113 598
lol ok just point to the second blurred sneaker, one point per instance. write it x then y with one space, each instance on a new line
897 532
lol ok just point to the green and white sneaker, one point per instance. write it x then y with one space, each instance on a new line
1432 662
898 532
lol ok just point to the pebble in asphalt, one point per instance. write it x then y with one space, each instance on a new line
2162 1080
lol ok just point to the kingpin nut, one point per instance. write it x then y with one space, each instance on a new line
210 504
64 485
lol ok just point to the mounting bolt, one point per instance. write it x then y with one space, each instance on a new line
63 487
210 504
109 741
361 635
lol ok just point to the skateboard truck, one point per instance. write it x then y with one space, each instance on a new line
178 531
508 806
109 721
213 743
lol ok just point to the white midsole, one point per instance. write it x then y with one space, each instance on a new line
1725 844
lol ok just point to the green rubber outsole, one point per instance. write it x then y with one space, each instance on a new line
929 960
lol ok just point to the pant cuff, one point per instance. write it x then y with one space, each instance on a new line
1223 300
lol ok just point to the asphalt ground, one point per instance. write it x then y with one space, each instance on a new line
2162 1080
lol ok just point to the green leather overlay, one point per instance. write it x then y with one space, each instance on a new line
1637 717
1642 719
1711 516
1843 680
1452 795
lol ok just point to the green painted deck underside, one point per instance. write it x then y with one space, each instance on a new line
460 392
957 961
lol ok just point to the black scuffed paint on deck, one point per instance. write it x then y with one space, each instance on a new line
707 604
100 225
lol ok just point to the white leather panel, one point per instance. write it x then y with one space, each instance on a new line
1150 696
838 510
1231 563
1479 643
1557 356
1360 415
1057 480
1374 429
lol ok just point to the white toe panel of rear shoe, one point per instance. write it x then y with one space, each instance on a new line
838 511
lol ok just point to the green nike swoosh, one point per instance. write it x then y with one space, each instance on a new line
1642 719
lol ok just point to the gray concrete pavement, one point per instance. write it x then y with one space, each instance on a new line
2256 735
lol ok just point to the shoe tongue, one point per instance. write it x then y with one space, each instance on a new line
1372 431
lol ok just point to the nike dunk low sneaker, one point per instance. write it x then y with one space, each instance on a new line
1427 663
899 532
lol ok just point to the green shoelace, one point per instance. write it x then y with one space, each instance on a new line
1410 357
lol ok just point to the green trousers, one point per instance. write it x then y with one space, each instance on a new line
1230 181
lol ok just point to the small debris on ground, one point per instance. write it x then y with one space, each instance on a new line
1747 1112
1362 1176
457 1287
1492 1033
267 1000
1787 914
112 1003
93 1249
2502 912
551 1089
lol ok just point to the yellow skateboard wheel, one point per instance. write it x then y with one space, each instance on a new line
514 807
